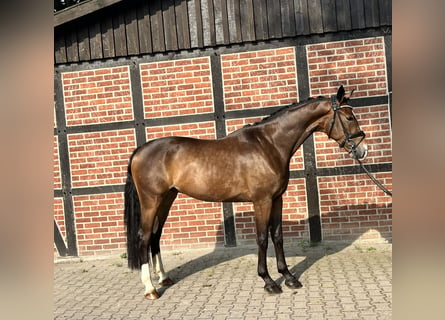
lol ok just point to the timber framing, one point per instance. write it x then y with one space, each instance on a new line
80 10
107 33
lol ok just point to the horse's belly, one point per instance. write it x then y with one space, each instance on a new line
215 191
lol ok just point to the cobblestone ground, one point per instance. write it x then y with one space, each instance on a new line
339 282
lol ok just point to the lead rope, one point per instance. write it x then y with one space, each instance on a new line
374 179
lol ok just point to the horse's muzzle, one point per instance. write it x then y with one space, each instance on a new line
359 152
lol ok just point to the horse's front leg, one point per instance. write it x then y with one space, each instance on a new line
262 218
276 231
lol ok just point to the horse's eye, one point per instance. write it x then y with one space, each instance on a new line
349 118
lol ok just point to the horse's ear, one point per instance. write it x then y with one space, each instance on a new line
352 91
349 95
340 94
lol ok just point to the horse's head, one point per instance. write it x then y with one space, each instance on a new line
344 127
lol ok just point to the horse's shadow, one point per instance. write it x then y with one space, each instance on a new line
311 253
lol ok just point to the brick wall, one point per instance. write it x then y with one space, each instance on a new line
354 207
258 79
358 64
193 224
100 158
97 96
177 87
201 130
99 223
351 206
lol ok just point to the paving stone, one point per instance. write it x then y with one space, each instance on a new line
346 283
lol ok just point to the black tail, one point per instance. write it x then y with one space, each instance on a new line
132 220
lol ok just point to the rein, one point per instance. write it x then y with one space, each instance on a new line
389 193
349 137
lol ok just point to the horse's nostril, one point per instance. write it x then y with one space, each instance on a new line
365 152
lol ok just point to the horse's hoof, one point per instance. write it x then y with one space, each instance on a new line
152 295
166 282
272 289
293 284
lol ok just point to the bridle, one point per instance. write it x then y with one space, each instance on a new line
348 137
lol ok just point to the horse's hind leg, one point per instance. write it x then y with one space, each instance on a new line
276 231
149 207
161 217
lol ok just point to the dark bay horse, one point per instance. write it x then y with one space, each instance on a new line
249 165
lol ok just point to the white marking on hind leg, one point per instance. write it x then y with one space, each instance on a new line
146 279
159 268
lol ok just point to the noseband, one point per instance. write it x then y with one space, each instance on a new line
348 137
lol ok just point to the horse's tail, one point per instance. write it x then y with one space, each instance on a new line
132 220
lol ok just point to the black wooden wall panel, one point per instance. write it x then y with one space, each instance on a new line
315 16
120 44
301 17
182 24
95 41
208 26
288 28
329 15
145 27
211 23
357 14
343 10
274 18
84 43
385 12
131 31
224 22
72 47
60 49
169 21
372 13
218 22
260 18
234 19
108 38
198 23
157 24
247 20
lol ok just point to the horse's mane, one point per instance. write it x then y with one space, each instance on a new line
284 109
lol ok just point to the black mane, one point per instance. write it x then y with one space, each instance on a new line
283 109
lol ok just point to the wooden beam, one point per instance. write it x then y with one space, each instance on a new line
79 10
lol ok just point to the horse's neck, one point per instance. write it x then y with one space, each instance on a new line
296 125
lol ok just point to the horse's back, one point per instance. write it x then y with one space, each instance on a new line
162 164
